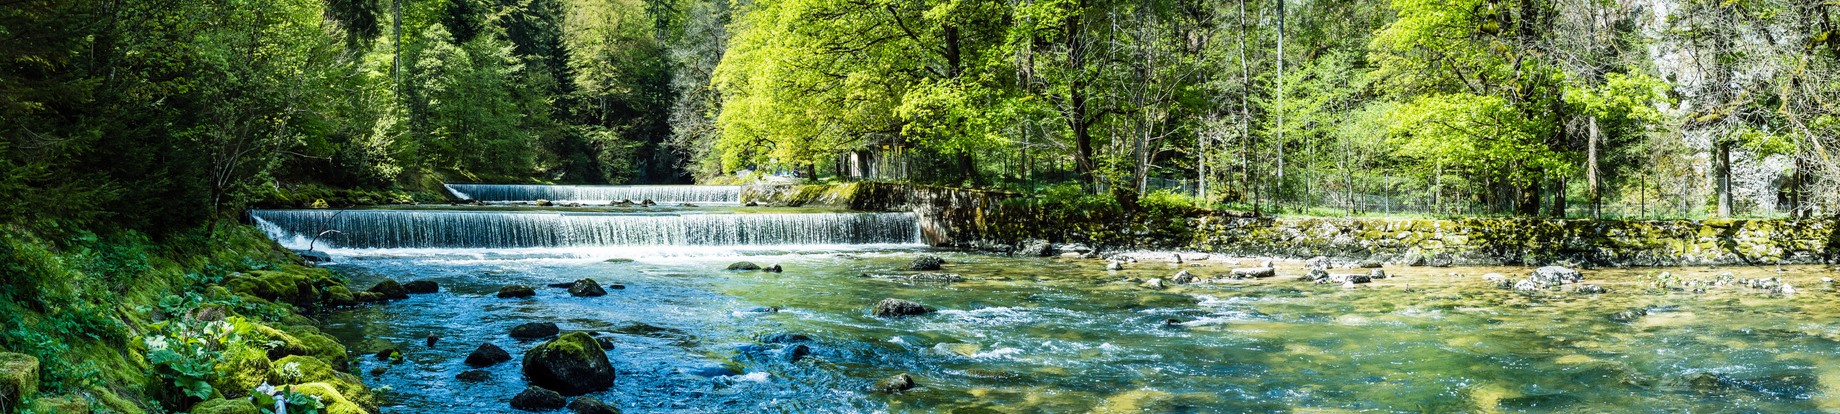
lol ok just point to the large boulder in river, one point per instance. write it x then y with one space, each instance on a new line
535 330
516 291
926 263
538 399
895 308
574 364
390 289
487 355
422 286
587 288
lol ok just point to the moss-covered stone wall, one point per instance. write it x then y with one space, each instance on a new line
997 221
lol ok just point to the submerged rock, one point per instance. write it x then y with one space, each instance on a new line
535 330
516 291
926 263
794 353
487 355
422 286
899 382
574 364
591 405
895 308
935 278
1629 316
1254 272
743 266
477 375
538 399
390 289
586 288
784 338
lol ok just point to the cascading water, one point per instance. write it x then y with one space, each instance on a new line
475 229
700 194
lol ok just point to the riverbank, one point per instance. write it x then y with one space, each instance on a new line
195 322
1012 223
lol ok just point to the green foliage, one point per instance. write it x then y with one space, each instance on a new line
267 397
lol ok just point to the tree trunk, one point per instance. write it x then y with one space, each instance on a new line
1590 170
1721 159
967 168
1558 198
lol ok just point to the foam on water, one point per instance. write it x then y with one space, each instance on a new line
700 194
446 230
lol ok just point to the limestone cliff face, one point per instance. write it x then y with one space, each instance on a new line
1000 221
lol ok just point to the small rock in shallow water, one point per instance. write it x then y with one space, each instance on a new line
712 372
895 308
1376 274
926 263
432 339
774 269
538 399
586 288
574 364
422 286
591 405
1254 272
535 330
897 383
1591 289
1154 283
935 278
1184 277
743 266
487 355
379 371
516 291
477 375
1629 315
1114 265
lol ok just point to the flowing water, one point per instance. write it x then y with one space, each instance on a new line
1050 335
601 194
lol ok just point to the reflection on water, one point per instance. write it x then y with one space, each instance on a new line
1052 336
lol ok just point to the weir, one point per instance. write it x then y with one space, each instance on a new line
701 194
475 229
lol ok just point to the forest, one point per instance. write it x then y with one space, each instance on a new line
162 114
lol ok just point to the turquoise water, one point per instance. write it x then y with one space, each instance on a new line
1041 335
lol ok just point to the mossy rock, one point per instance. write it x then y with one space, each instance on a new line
574 364
241 370
336 402
299 340
224 406
297 369
18 380
303 287
64 404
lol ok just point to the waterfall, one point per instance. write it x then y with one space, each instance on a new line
592 194
476 229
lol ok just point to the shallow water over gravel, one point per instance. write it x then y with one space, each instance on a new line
1028 335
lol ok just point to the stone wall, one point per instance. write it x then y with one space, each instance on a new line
997 221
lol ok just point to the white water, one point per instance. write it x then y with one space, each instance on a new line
598 194
429 229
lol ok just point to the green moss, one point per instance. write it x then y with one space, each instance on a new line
61 405
225 406
18 379
241 369
296 369
336 402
